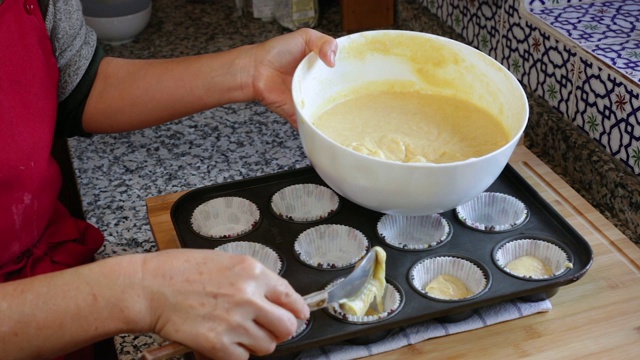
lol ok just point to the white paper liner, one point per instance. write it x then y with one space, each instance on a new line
267 256
305 202
331 246
550 254
303 326
493 212
225 217
423 272
391 302
414 232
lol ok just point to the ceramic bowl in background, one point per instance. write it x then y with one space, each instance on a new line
430 63
117 21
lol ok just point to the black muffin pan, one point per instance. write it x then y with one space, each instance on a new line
279 234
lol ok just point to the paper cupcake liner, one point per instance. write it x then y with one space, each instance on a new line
331 246
414 232
305 203
303 327
392 301
426 270
225 218
493 212
267 256
550 254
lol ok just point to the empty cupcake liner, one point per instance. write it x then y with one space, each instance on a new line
493 212
551 255
414 232
331 246
267 256
303 327
225 217
392 301
305 203
426 270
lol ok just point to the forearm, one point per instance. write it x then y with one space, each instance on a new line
135 94
56 313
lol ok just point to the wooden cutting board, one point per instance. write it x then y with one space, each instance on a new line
595 318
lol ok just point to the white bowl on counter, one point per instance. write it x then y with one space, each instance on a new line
395 187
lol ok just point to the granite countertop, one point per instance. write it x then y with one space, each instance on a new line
116 173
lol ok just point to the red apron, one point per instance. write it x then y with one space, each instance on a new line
37 234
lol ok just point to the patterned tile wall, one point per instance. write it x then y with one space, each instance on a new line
589 23
609 30
608 108
542 63
582 56
624 55
478 21
606 72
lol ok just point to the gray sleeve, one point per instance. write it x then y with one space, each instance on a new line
73 42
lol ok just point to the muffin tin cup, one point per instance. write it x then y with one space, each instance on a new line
548 251
225 218
493 212
266 255
331 246
414 233
305 203
392 301
475 278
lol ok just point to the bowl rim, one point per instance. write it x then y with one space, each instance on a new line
115 10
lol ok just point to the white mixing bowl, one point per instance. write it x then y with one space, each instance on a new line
434 64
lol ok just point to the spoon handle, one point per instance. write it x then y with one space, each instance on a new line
165 351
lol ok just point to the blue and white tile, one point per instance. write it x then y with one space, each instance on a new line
450 12
623 55
513 33
438 7
487 18
608 110
458 16
594 22
549 3
538 60
554 78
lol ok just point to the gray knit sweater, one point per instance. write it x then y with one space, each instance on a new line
73 42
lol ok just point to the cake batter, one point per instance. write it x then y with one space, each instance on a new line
529 266
374 290
447 287
412 126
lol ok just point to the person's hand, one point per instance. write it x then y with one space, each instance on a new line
276 60
221 305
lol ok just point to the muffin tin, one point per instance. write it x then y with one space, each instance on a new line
453 238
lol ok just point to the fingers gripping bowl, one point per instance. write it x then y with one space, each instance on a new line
420 62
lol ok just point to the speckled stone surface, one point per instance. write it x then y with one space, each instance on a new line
116 173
